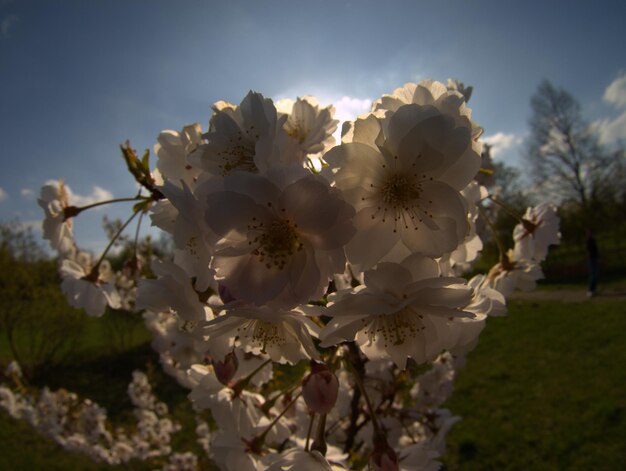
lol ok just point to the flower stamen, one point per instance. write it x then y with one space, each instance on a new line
276 243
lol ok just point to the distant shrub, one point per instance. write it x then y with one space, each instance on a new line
39 327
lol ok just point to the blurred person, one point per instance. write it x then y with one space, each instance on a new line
592 261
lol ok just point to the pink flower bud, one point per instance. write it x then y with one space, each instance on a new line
383 458
225 370
320 389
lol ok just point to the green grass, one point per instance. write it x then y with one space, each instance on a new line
544 389
23 449
100 368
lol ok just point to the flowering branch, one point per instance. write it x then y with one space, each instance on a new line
506 208
266 212
72 211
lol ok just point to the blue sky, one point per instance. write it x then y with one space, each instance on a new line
77 78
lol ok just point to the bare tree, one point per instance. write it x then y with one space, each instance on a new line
565 156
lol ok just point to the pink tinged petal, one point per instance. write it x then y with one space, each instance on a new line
305 341
443 312
331 262
308 200
74 290
439 145
308 326
437 337
283 350
320 213
367 131
257 187
70 268
48 194
170 141
167 293
421 267
460 173
376 350
445 225
433 243
466 334
231 213
403 122
524 247
283 335
249 279
340 329
389 336
425 284
391 103
224 125
354 158
422 93
111 295
94 301
388 277
258 112
373 239
398 253
421 158
224 325
364 303
304 276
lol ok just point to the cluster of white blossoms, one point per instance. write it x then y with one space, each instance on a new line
82 425
289 248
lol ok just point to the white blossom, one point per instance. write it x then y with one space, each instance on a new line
538 230
172 150
87 291
403 311
57 227
403 174
279 246
297 459
513 273
308 124
172 290
240 137
286 336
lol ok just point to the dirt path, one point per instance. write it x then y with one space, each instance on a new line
569 295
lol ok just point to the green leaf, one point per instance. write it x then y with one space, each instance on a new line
145 161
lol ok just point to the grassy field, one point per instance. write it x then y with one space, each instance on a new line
545 389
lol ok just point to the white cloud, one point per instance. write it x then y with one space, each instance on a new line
348 108
34 226
502 143
3 195
27 193
7 24
615 93
611 130
96 195
96 245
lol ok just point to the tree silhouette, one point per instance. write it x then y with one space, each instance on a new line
565 157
